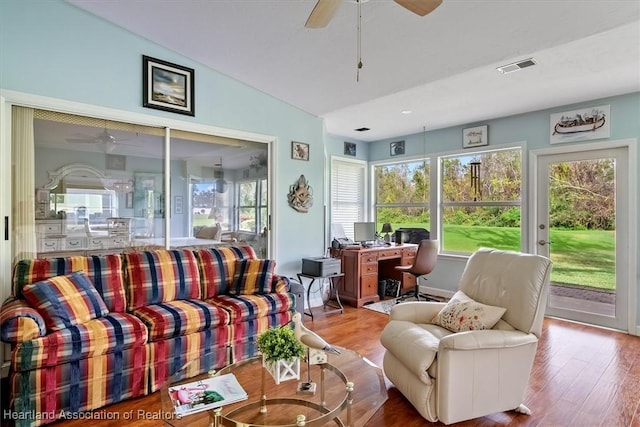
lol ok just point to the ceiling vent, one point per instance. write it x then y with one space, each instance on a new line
362 129
510 68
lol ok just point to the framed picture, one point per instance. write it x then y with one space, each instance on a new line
580 125
349 148
167 86
475 137
396 148
177 204
129 200
299 150
116 162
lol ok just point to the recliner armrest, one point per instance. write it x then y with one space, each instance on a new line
416 311
490 338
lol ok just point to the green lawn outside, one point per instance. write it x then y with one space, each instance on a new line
582 257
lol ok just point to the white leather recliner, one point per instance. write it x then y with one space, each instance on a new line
454 376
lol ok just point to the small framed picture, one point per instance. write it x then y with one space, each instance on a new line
177 204
475 137
116 162
299 150
396 148
167 86
349 149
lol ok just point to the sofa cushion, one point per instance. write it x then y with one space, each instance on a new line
218 266
462 313
105 272
253 276
160 276
175 318
111 333
65 301
20 322
248 307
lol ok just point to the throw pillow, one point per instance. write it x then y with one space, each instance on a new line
253 276
462 313
65 301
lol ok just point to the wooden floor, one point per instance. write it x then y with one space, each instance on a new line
583 376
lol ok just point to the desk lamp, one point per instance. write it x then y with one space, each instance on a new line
386 228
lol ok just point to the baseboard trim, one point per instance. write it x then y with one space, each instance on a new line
436 292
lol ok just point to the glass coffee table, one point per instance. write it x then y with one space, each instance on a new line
349 390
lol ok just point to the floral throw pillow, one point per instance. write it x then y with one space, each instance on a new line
464 314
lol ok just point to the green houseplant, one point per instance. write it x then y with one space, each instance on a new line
279 344
281 353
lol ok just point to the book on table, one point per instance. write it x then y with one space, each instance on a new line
208 393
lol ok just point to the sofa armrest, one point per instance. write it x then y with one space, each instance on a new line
20 322
490 338
280 284
416 311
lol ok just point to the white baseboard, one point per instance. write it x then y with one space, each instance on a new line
637 331
436 292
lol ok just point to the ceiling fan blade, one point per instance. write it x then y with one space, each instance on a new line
420 7
322 13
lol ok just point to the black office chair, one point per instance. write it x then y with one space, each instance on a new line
425 262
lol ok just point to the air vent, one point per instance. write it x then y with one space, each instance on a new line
510 68
362 129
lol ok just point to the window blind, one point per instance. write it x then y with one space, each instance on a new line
347 193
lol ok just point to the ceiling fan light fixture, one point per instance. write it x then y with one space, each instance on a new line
362 129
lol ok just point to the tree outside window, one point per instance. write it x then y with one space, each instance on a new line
402 195
481 200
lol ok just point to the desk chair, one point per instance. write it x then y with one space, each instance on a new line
424 263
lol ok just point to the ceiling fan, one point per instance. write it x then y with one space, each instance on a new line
104 139
325 9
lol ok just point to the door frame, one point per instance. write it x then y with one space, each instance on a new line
631 269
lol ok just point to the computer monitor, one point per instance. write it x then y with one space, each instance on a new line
364 232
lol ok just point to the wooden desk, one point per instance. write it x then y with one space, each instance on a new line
364 267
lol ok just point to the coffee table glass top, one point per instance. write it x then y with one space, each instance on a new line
284 403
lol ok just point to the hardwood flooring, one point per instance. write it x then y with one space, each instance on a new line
582 376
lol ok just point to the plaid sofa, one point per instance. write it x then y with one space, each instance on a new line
162 309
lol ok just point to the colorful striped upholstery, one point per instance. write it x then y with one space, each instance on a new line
175 318
246 333
65 301
82 385
246 307
105 272
161 276
252 276
112 333
169 324
218 266
20 322
168 356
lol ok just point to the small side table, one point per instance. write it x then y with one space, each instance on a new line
327 300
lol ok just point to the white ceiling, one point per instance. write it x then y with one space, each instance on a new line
441 66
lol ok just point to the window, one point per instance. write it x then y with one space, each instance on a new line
210 207
252 206
347 193
481 197
402 194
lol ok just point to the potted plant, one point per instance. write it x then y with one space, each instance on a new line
281 353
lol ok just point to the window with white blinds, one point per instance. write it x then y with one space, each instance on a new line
348 193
